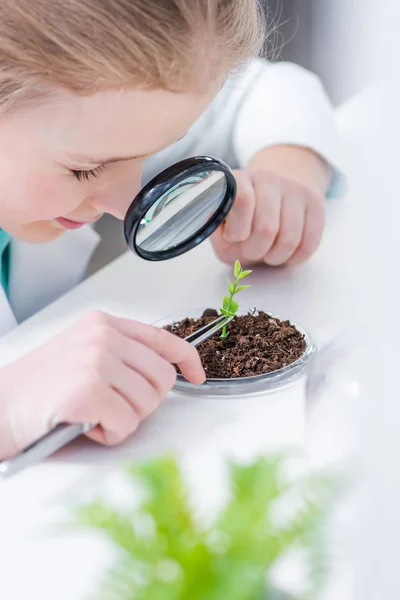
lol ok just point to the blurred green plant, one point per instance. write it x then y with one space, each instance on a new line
166 553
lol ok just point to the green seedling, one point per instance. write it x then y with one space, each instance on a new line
229 305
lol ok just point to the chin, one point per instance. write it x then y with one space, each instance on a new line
38 233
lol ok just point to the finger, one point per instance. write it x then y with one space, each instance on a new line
170 347
138 358
312 233
266 219
237 226
290 232
226 251
116 417
229 253
143 397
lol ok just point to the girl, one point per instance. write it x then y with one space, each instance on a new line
89 91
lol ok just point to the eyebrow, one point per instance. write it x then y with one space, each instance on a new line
98 160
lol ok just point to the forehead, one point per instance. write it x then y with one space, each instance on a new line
122 121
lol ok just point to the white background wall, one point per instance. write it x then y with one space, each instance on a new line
335 38
345 36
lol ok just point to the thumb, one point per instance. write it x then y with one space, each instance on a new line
237 227
225 251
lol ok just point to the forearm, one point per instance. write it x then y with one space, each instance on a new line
295 162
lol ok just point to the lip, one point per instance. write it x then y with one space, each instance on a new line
69 224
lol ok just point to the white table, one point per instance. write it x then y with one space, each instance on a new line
323 296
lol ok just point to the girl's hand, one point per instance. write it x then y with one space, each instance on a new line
279 213
104 369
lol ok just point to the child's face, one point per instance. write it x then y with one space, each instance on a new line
40 146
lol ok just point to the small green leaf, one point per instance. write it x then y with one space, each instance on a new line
244 274
237 268
234 307
242 287
230 286
226 303
227 313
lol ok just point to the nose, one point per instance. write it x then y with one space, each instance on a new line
115 196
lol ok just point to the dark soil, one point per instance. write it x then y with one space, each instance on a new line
257 343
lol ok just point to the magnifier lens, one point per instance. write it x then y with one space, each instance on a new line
179 208
181 211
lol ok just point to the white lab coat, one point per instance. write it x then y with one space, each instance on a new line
264 105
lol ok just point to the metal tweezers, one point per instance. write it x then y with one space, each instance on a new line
201 335
64 433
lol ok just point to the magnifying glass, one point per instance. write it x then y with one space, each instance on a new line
179 208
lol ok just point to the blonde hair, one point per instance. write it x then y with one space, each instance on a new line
89 45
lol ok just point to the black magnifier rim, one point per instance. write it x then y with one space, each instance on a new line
159 185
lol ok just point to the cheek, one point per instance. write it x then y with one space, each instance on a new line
36 197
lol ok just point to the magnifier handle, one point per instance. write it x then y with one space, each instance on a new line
44 447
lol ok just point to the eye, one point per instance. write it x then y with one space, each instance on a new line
86 175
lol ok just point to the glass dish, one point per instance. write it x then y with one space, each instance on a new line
243 386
